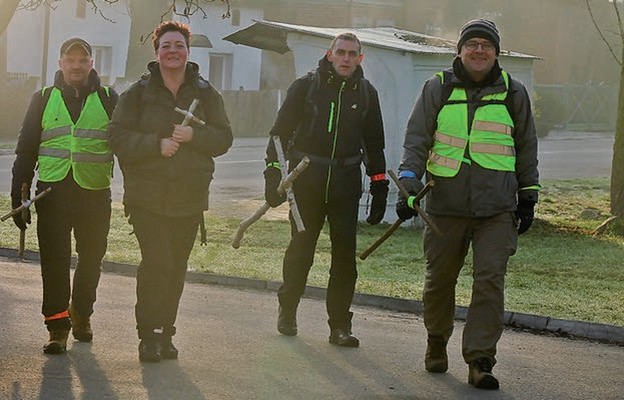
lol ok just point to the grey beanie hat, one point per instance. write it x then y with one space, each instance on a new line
481 28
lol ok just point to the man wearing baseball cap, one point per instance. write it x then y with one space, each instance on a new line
472 132
64 137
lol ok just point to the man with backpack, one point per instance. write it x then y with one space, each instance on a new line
332 116
472 132
64 136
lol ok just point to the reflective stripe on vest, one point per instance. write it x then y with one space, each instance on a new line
81 147
490 139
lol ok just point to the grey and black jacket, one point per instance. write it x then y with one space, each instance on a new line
474 191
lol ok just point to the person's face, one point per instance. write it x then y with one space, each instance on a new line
345 57
172 52
75 65
478 56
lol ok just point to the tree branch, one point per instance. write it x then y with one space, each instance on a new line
591 14
619 18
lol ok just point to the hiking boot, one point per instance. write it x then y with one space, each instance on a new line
436 359
287 321
57 343
343 338
480 374
149 350
81 326
167 350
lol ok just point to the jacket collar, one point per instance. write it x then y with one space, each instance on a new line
190 76
93 83
328 74
462 75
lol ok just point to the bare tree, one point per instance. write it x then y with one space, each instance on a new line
617 164
182 8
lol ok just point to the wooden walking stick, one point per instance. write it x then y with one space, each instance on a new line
285 186
23 209
22 239
24 205
396 224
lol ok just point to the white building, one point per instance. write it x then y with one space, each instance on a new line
34 38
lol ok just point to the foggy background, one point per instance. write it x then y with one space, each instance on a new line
575 81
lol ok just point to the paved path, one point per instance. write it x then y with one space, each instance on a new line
229 349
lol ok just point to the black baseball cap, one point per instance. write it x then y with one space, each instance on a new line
76 41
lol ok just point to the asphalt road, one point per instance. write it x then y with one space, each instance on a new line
230 349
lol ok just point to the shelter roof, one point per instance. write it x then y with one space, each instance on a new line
271 35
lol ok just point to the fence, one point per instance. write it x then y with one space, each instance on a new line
590 107
252 113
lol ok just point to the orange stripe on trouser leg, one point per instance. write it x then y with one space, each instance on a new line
63 314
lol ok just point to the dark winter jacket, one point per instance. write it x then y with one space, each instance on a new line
175 186
29 139
306 125
474 191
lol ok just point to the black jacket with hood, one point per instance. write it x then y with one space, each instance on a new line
175 186
329 118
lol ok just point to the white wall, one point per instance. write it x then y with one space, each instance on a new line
245 60
25 38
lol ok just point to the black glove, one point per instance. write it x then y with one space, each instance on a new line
525 214
379 191
20 222
272 179
413 186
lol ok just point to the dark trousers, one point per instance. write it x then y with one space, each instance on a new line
65 208
166 244
342 217
493 240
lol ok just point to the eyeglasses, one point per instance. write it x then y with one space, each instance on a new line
486 46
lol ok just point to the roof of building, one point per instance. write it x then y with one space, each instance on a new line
271 35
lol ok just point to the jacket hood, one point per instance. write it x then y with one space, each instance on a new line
191 74
327 71
93 82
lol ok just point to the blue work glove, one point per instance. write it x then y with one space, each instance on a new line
272 179
379 191
404 206
525 214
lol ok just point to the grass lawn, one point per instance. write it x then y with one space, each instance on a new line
560 269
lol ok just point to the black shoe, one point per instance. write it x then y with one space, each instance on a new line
57 344
344 338
436 359
287 322
480 374
149 351
167 350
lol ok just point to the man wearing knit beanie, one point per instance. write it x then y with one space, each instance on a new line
481 28
472 132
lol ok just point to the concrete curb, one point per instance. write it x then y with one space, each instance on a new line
539 324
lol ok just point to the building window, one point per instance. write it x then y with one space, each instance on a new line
220 71
81 8
236 17
103 62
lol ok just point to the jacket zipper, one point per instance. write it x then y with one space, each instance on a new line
334 111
